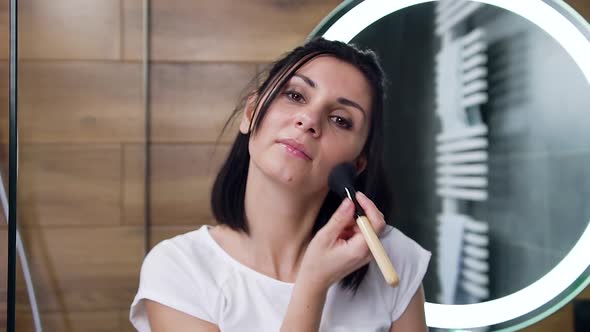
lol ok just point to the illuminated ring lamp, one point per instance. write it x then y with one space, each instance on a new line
570 276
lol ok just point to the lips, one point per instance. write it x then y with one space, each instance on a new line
295 148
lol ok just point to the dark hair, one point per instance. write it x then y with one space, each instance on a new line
227 197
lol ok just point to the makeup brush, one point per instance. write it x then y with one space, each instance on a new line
341 181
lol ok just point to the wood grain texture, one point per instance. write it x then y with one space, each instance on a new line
71 321
182 176
134 170
133 30
226 30
124 323
82 268
561 320
161 233
3 274
191 102
581 6
81 197
69 185
4 32
4 111
65 29
78 102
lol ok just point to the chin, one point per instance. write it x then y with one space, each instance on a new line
285 170
289 175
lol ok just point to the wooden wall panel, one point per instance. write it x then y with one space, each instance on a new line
124 323
561 320
82 268
191 102
182 176
4 30
134 167
4 112
3 273
161 233
228 30
133 34
581 6
69 184
79 304
78 102
96 321
82 136
4 108
65 29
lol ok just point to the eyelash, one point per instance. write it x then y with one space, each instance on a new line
290 94
338 120
341 122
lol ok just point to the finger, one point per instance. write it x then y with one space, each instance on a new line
358 248
342 218
372 212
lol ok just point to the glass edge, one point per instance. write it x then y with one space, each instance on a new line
334 15
583 281
571 15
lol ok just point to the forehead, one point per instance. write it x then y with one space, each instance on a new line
338 77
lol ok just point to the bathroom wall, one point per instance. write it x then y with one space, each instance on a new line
82 121
83 138
81 134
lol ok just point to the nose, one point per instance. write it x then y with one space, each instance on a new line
309 122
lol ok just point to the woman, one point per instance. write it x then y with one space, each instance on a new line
286 255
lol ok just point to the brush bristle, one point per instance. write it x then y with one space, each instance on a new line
342 176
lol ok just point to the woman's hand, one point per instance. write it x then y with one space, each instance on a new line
335 251
339 247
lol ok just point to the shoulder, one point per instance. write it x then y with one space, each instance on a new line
411 263
190 252
183 273
376 303
402 248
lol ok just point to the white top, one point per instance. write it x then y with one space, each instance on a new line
193 274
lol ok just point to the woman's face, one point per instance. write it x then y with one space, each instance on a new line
320 119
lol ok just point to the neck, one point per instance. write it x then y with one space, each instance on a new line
280 220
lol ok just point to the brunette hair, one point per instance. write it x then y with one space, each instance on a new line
228 193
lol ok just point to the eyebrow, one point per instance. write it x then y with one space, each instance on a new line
307 80
341 100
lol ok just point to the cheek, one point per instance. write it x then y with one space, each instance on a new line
272 121
353 146
267 132
342 150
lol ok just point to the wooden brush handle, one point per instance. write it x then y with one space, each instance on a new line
378 251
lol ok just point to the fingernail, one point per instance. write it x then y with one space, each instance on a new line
347 202
361 194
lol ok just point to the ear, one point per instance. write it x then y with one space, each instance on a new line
248 114
360 164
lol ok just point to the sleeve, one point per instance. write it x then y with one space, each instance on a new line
411 262
171 277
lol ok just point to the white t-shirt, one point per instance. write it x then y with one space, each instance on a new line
193 274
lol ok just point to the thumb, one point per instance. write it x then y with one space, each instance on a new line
341 218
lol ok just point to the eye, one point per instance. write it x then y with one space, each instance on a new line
341 122
295 96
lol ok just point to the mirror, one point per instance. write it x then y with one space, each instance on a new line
94 75
488 149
